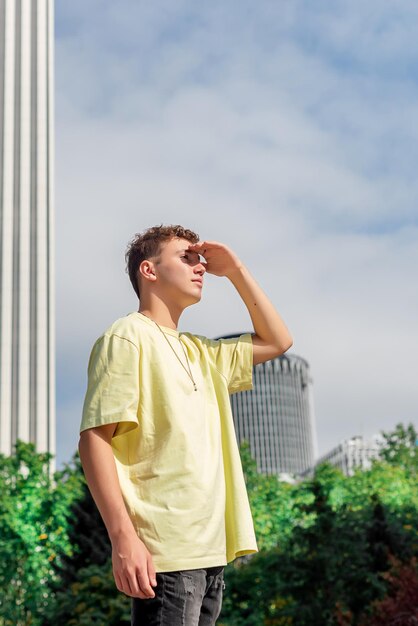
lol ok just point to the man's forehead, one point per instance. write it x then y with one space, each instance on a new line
179 245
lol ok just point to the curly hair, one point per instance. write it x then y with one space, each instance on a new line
147 244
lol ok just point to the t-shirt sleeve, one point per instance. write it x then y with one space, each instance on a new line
113 385
233 358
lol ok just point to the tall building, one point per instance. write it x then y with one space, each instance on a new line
27 368
276 417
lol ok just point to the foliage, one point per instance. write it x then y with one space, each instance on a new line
276 506
33 531
92 599
400 448
400 606
335 540
252 595
334 550
88 536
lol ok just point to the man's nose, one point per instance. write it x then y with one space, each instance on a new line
200 268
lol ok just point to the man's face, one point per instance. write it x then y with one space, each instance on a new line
179 272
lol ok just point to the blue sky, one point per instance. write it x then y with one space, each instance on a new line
285 129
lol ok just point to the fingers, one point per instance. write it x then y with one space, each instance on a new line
145 583
131 587
220 260
135 583
118 581
209 250
206 246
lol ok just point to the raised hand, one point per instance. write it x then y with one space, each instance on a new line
219 259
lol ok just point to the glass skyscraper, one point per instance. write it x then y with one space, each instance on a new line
27 380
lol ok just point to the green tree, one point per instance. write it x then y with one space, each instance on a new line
333 542
34 510
88 536
85 591
400 606
272 503
91 600
327 546
400 447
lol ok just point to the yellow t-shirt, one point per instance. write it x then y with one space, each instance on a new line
175 448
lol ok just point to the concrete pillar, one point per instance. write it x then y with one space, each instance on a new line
27 345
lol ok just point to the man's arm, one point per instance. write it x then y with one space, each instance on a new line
271 337
133 568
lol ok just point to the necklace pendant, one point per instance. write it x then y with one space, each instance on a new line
195 388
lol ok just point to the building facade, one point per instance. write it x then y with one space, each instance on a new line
27 367
276 417
351 454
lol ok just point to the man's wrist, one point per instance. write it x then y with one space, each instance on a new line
236 273
119 533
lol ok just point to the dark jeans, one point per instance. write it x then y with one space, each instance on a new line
188 598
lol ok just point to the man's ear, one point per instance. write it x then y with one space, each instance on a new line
146 270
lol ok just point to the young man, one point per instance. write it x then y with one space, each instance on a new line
157 440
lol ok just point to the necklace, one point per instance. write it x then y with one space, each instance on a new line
188 370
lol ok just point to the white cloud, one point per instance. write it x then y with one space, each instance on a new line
276 149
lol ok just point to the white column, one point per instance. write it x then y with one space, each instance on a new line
24 231
7 228
27 360
51 230
41 240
